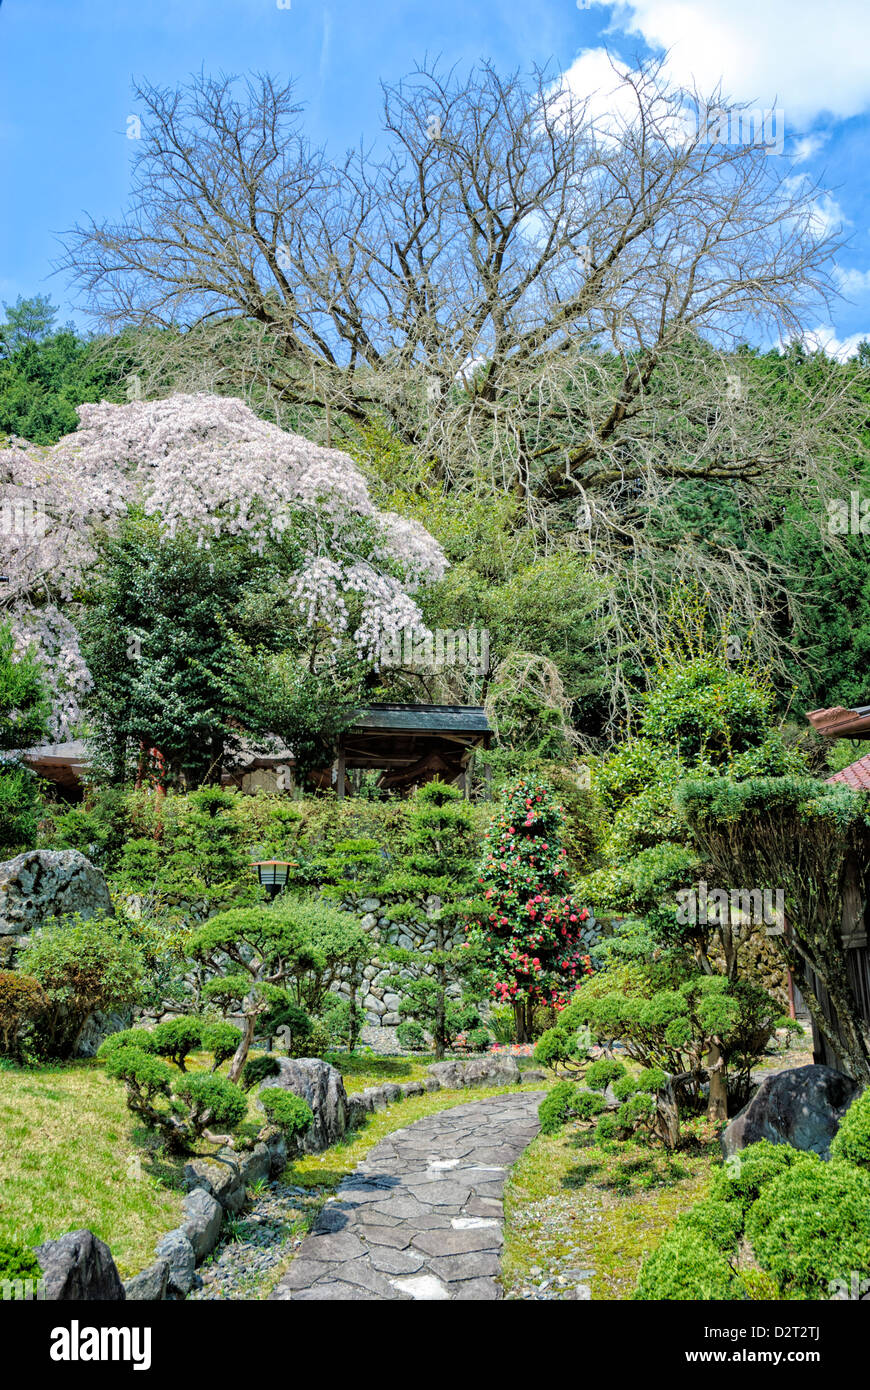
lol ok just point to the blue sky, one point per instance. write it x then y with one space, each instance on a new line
66 68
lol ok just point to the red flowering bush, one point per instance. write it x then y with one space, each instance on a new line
535 937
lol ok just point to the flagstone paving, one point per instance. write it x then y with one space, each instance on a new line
421 1217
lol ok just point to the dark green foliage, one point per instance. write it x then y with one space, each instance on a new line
256 1069
588 1105
177 1038
182 1109
852 1140
290 1113
24 709
810 1227
439 863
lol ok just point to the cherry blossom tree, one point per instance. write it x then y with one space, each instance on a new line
210 466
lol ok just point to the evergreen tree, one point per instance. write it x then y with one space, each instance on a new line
23 721
439 873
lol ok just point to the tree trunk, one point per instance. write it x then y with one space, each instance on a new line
717 1106
241 1053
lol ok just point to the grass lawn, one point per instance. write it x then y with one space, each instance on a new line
72 1156
572 1203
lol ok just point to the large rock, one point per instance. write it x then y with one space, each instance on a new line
802 1107
176 1248
49 883
496 1070
322 1087
203 1217
79 1267
150 1284
220 1176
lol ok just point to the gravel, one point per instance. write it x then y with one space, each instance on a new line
246 1265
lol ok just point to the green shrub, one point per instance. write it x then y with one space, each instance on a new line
852 1140
810 1227
21 1005
256 1069
557 1107
744 1174
478 1039
221 1040
603 1072
290 1113
17 1262
177 1038
410 1036
588 1105
687 1267
83 967
127 1037
720 1223
212 1100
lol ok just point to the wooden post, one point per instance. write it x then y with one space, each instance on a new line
487 781
340 772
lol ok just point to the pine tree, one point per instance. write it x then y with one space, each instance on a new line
534 935
439 874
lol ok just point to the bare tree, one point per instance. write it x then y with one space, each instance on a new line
515 286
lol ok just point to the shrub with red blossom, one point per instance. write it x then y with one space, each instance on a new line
535 937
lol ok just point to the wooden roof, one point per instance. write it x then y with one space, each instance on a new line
423 719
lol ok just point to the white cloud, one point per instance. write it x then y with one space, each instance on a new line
852 281
805 57
825 338
807 147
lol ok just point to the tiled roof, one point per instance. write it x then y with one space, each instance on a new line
856 775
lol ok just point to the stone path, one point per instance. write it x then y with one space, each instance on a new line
421 1216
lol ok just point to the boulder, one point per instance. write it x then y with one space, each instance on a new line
177 1250
79 1267
150 1285
47 883
496 1070
203 1217
276 1143
320 1084
359 1107
255 1165
802 1107
532 1074
219 1177
98 1027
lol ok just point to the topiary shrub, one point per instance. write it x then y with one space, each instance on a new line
852 1140
588 1105
290 1113
810 1227
221 1040
557 1107
127 1037
744 1174
177 1038
687 1267
17 1263
211 1100
410 1036
603 1072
